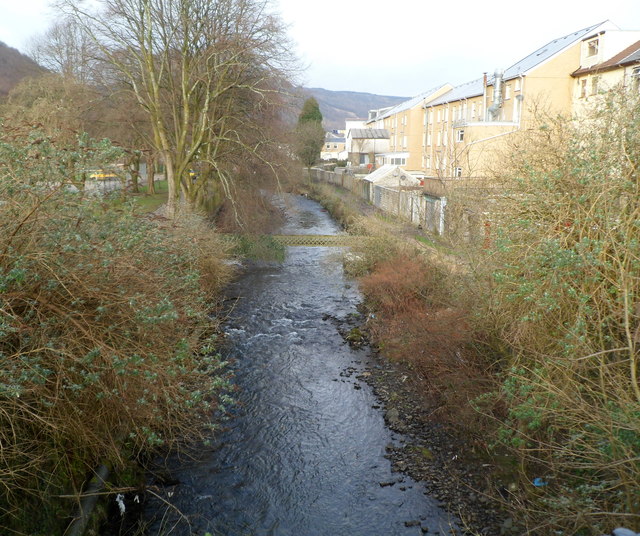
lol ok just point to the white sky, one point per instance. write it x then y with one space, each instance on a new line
398 47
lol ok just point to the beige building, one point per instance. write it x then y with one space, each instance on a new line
466 129
334 147
452 132
404 123
620 70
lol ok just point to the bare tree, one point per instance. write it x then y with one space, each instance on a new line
66 49
199 69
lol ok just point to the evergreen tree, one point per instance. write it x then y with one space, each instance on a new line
309 133
310 112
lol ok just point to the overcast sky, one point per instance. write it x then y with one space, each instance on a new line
398 47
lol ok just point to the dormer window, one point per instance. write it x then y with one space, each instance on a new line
592 48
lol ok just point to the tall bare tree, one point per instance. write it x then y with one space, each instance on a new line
66 49
200 69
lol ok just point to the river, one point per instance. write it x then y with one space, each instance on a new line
304 454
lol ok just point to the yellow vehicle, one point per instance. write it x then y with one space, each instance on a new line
102 175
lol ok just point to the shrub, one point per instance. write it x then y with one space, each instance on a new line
104 334
565 288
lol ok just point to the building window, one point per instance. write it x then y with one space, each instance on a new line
507 92
404 141
439 138
460 135
583 88
592 48
635 79
594 85
398 161
457 172
473 110
518 84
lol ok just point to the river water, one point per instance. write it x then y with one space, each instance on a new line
304 454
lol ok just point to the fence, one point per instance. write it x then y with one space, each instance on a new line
411 205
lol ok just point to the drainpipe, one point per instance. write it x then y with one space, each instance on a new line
484 96
494 109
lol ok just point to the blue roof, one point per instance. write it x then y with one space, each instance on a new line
476 87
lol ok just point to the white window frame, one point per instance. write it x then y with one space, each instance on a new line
460 135
457 172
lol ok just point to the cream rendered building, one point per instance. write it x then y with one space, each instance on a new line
404 123
467 128
619 70
451 132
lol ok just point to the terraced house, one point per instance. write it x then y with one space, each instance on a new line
458 132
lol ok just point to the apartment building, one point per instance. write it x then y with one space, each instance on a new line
467 128
452 132
404 123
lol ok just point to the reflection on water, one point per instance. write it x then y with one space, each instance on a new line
304 455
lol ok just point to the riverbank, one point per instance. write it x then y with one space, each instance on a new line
418 393
467 324
449 465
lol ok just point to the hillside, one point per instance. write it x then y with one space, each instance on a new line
15 66
337 106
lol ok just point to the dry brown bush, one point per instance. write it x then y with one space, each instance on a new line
416 321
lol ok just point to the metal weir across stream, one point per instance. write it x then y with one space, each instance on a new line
313 240
304 454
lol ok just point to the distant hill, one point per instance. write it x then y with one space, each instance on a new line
337 106
14 66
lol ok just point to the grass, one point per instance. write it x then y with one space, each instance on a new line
150 203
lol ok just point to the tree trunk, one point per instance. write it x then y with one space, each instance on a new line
135 174
151 171
173 184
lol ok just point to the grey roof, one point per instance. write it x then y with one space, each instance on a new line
463 91
633 57
544 53
408 104
370 133
476 87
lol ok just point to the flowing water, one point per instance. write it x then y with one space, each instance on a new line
304 454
